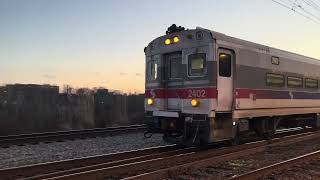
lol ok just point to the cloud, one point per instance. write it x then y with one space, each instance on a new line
48 76
123 74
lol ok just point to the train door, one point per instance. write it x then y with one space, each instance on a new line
225 80
172 79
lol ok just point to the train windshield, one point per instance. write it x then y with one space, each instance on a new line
197 64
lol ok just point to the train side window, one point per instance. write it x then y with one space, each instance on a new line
225 65
295 82
152 70
275 80
197 64
311 83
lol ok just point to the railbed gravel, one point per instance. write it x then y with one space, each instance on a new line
28 154
228 169
308 170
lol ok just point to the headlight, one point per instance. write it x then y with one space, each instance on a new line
173 40
176 39
195 102
167 41
150 101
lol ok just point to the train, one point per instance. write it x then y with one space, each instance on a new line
203 86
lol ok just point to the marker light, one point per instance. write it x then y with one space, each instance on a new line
150 101
195 102
176 39
167 41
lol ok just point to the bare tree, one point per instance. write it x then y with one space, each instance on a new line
67 89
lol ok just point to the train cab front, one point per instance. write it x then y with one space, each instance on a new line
179 89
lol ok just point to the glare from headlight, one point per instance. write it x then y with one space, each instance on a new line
150 101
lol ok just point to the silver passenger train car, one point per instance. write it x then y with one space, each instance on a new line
203 86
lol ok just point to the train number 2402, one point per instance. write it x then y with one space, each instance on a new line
199 93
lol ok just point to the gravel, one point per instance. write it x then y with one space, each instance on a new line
310 170
228 169
55 151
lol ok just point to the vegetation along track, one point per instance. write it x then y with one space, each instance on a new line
155 163
7 141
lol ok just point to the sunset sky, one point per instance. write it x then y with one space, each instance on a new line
99 43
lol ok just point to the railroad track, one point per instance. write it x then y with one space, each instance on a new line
261 172
172 167
51 169
155 163
7 141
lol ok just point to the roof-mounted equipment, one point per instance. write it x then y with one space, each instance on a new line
174 28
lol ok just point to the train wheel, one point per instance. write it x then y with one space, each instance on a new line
269 135
235 141
265 127
165 137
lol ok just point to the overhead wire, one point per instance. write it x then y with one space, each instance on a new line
293 8
297 4
311 4
314 4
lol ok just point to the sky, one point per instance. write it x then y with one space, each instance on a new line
99 43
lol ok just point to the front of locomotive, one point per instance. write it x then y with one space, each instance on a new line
180 89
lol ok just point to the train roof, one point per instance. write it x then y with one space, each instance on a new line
271 50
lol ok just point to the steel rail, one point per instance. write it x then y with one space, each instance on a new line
165 153
72 166
278 166
257 147
149 169
67 165
6 141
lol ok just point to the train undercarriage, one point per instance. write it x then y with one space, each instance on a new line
203 130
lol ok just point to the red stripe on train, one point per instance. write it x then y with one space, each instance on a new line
188 93
243 93
273 94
